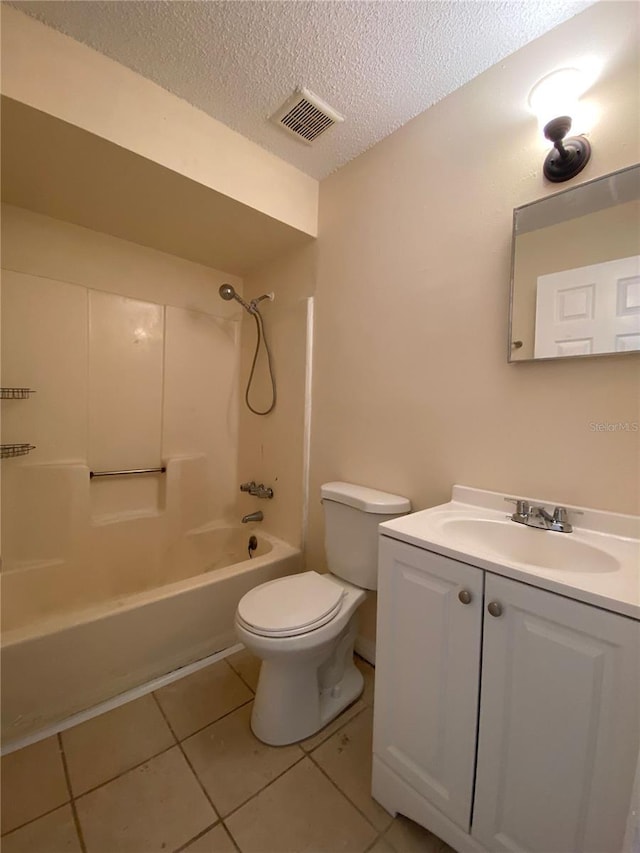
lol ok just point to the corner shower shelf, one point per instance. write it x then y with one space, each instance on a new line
15 393
9 450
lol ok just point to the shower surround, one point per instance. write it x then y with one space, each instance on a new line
109 582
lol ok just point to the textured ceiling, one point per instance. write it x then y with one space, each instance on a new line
378 63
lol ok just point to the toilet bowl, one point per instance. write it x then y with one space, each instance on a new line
303 627
307 674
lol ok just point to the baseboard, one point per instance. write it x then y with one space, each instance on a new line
117 701
366 649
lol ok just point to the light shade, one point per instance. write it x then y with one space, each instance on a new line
557 94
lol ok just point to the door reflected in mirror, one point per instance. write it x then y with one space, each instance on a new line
575 285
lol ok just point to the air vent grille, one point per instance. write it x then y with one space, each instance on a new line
306 116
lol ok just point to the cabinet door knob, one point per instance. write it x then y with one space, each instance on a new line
465 596
494 608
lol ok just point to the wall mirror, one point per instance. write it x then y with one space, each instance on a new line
575 271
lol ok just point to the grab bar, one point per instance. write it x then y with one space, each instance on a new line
93 474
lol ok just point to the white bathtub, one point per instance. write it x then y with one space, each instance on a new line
65 651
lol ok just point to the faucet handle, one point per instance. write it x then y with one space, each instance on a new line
561 520
560 515
246 487
522 507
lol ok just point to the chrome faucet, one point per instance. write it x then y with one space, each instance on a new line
253 516
537 516
260 491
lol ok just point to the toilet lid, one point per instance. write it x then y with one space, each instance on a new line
292 605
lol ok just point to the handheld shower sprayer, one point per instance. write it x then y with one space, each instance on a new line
227 292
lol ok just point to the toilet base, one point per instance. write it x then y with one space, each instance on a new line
294 702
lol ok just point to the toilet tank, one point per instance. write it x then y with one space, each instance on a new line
351 516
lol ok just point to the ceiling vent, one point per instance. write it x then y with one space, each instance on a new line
305 116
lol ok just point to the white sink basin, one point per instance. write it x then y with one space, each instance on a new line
598 563
526 545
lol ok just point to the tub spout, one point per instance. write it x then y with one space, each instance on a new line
253 516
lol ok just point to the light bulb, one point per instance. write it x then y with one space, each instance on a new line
557 94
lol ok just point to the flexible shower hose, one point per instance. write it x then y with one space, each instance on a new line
261 335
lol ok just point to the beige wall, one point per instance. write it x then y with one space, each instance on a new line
60 76
411 390
593 239
134 358
273 448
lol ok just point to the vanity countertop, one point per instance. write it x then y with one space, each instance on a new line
599 563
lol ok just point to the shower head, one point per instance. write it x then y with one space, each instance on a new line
228 292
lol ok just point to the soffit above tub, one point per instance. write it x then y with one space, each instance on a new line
59 170
377 63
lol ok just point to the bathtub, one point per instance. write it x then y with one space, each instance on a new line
73 637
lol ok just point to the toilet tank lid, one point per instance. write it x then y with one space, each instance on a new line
365 499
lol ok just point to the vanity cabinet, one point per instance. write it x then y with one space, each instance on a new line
505 720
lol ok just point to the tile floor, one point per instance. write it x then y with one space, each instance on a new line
179 770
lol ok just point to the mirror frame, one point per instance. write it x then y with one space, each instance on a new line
516 210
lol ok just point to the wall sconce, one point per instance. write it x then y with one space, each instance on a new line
554 99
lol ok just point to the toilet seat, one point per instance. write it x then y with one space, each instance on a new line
290 606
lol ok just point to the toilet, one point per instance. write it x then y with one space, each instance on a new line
303 627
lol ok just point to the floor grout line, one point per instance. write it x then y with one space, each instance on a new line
196 837
264 788
74 810
34 819
186 758
336 730
240 675
339 729
206 725
379 837
335 783
233 840
345 795
197 778
137 766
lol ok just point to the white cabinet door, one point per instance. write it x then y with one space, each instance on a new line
427 673
559 721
